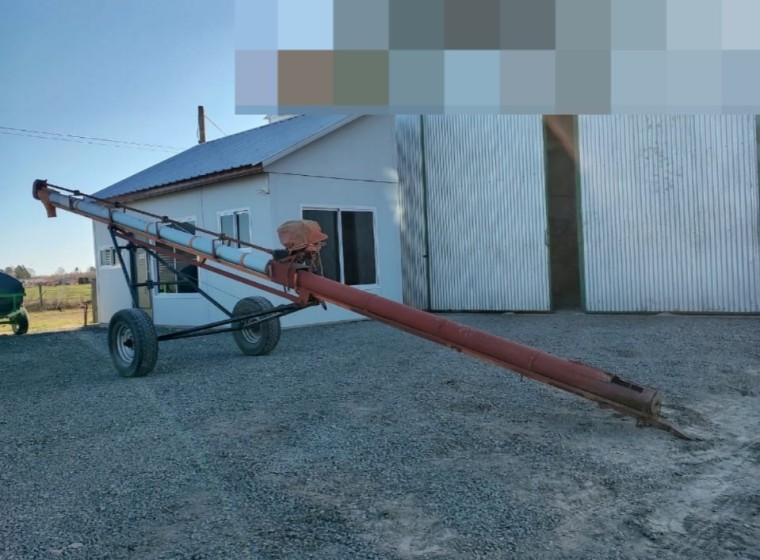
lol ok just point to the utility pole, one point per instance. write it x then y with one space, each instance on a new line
201 125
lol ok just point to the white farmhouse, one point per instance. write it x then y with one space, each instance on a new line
337 170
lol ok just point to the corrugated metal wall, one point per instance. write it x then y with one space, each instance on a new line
670 208
487 219
413 267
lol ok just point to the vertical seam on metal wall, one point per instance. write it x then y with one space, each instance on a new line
579 210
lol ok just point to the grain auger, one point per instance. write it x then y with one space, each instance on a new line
292 274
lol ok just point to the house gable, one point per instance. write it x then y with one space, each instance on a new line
230 157
363 150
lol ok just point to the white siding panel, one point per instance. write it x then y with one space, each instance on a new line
487 216
291 194
113 293
670 211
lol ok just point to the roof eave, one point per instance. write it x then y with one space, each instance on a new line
170 188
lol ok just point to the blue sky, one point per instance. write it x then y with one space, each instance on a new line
133 71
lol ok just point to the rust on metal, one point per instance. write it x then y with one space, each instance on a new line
293 270
523 359
641 402
40 192
301 235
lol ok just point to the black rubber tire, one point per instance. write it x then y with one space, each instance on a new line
262 338
21 324
132 342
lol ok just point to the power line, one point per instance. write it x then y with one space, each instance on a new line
84 139
84 142
91 138
216 125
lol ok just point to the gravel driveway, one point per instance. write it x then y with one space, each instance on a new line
357 441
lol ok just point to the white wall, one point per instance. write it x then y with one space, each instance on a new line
354 167
291 194
113 293
364 149
202 204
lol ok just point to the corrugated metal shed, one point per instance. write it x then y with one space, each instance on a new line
486 212
670 208
262 145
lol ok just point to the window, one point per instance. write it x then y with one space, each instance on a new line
168 282
349 255
108 257
236 225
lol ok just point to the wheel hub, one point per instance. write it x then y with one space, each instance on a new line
125 344
252 333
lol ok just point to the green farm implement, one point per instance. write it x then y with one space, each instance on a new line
12 310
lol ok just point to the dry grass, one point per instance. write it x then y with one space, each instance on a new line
57 297
46 321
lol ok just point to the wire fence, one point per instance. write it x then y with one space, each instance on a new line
49 298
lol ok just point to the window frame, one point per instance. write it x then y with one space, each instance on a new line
340 210
154 270
114 257
233 212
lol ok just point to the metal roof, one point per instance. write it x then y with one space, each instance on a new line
258 146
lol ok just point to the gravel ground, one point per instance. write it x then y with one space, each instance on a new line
359 441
